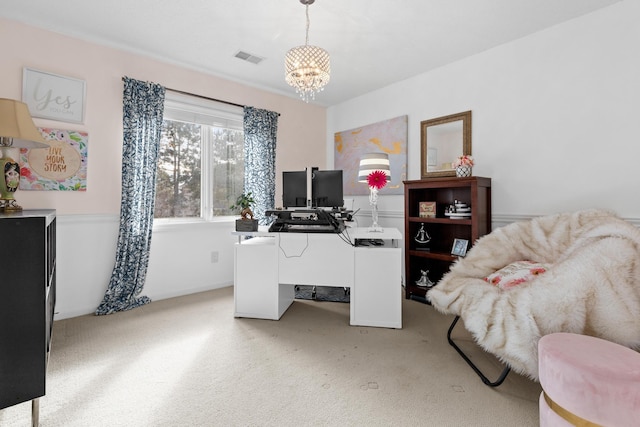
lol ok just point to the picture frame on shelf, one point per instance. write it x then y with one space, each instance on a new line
459 247
427 209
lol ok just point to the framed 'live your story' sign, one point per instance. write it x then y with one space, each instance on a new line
55 97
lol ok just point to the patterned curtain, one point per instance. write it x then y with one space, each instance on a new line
260 128
143 106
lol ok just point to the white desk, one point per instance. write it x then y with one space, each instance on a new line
268 266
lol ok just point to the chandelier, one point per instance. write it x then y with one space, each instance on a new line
307 68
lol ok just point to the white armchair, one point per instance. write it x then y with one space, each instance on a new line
591 286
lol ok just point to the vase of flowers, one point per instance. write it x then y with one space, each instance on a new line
376 180
463 166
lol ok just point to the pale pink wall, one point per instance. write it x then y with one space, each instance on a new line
301 127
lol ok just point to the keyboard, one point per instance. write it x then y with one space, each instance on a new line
311 228
369 242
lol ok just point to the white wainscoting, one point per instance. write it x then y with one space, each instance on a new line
85 248
185 257
181 260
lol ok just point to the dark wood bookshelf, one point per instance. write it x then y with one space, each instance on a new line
443 230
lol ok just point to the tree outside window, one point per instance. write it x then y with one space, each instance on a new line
200 170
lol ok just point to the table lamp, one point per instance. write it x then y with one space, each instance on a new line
374 170
16 131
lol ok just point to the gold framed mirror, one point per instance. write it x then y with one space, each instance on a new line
444 139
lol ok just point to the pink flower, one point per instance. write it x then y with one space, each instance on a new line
26 172
465 160
377 180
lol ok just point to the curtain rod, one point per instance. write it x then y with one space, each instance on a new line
204 97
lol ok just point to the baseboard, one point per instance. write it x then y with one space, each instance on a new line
182 292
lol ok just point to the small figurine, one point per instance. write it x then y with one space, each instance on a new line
422 237
424 281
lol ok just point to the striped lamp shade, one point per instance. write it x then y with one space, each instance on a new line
371 162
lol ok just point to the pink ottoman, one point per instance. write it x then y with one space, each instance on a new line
588 381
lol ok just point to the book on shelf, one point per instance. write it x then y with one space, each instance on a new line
427 210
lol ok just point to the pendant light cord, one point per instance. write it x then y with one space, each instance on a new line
306 40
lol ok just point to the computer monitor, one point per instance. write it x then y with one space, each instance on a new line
294 189
326 189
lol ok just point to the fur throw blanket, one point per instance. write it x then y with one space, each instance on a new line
591 287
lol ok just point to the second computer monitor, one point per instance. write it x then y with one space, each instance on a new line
326 189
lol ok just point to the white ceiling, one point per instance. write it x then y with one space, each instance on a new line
372 43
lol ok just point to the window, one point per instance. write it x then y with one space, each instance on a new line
201 158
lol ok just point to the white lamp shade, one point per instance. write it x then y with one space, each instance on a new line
16 123
372 162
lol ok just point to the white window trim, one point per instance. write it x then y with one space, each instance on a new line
193 109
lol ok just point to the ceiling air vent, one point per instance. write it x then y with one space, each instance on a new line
248 57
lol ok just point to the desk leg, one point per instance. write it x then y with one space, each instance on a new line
35 412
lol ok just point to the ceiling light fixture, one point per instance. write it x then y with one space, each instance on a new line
307 68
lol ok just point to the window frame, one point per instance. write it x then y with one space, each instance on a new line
207 113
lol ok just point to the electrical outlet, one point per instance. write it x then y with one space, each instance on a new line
214 256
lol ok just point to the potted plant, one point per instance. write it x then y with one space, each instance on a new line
246 222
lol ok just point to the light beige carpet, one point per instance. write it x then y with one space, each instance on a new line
188 362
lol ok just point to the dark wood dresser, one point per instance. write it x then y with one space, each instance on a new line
27 302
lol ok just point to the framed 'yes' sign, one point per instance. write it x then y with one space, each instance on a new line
55 97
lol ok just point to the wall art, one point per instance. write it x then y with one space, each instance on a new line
61 167
50 96
388 136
